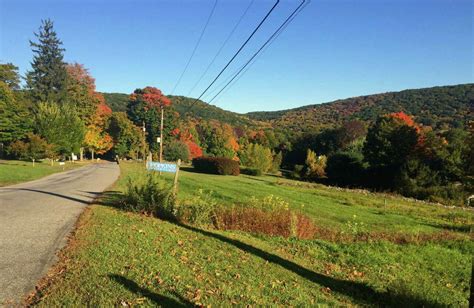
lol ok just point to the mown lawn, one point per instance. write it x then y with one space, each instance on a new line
15 171
121 258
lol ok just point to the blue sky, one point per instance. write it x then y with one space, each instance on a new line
333 49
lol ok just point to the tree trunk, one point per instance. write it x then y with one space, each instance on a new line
81 153
92 153
33 162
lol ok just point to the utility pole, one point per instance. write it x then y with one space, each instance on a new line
161 136
144 143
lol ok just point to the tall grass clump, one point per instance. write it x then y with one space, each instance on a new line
149 194
269 215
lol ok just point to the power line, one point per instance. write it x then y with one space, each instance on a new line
259 55
195 46
276 33
268 46
238 51
221 48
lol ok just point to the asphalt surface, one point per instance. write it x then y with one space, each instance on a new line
36 218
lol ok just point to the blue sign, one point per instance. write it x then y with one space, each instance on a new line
165 167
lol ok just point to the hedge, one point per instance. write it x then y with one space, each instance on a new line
251 171
216 165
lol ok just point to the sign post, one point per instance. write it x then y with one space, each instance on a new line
175 182
166 167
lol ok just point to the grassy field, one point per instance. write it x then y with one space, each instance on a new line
15 171
121 258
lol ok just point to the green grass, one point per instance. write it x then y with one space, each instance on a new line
15 171
120 258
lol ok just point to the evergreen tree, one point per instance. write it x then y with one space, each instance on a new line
47 79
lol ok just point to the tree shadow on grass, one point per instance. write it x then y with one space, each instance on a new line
157 299
359 292
107 198
455 228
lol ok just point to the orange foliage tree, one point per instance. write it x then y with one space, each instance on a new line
187 138
96 139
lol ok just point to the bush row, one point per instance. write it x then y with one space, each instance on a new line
216 165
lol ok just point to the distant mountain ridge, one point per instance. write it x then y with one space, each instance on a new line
440 107
443 106
186 107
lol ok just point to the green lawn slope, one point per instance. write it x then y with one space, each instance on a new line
121 258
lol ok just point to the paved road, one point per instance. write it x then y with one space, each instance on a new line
35 220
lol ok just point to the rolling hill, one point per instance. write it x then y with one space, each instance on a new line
440 107
186 107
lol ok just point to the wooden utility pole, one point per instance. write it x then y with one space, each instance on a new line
144 143
161 135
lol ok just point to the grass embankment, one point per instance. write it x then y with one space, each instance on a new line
120 258
15 171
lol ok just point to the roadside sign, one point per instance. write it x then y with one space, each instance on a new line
165 167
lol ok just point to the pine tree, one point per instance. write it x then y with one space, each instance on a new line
47 79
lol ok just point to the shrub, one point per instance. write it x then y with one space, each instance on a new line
151 195
251 171
216 165
198 210
33 148
176 150
297 172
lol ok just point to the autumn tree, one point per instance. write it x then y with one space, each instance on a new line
47 79
315 166
80 87
390 141
96 139
147 106
188 136
218 139
127 138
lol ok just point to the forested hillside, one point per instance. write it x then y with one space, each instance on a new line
185 106
117 101
439 107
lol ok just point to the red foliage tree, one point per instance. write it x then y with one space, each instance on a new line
194 149
406 119
153 97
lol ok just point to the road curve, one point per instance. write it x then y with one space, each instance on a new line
36 218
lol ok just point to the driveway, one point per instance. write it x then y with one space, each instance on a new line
36 218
